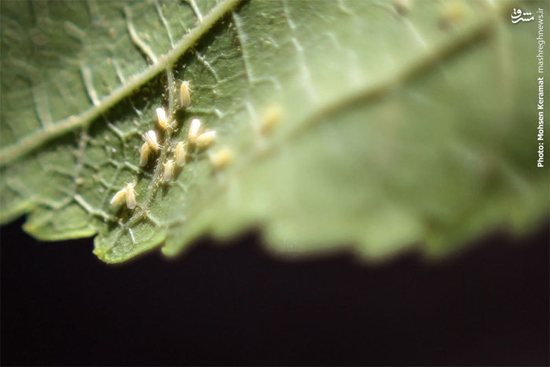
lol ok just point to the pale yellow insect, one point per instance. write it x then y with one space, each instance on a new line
205 140
270 118
118 198
162 119
130 196
185 94
151 139
194 130
221 158
453 13
181 153
168 170
144 154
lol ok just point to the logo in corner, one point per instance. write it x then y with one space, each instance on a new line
519 16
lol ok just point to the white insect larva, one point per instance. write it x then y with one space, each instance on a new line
185 94
168 170
270 119
221 158
181 152
130 196
162 120
194 130
118 198
144 154
452 14
151 139
205 140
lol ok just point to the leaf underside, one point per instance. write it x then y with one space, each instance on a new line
370 126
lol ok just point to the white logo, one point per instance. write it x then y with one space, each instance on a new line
517 16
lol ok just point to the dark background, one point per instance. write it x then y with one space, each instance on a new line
236 305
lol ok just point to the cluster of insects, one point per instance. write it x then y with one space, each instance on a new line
127 194
197 139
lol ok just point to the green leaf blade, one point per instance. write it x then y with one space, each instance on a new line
391 133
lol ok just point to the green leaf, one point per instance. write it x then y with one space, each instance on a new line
393 124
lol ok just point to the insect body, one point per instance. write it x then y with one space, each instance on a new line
151 140
130 196
221 158
127 193
144 154
452 14
185 94
206 139
168 170
181 152
118 198
162 119
270 119
194 130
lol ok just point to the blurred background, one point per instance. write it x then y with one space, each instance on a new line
234 305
